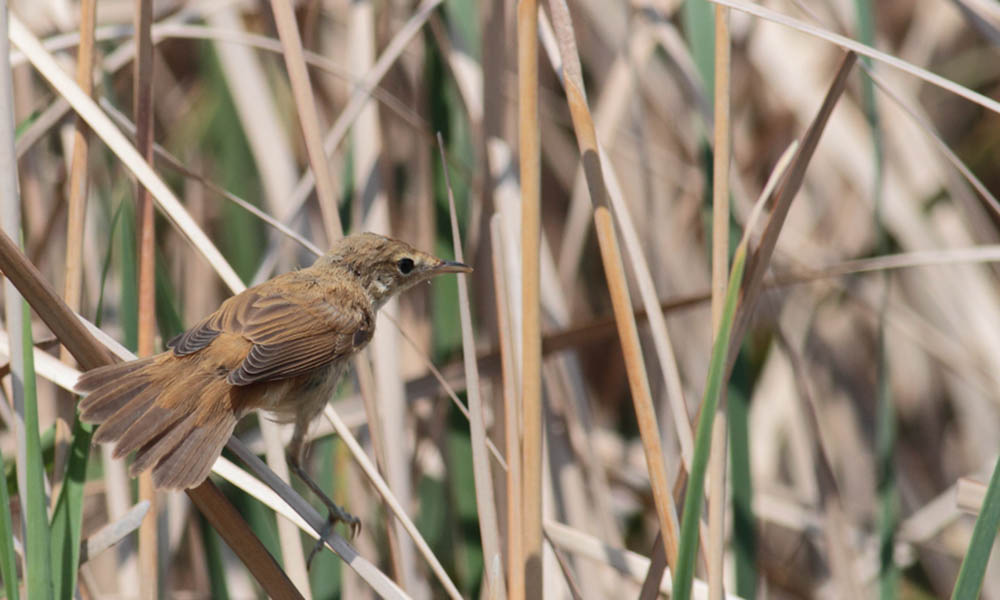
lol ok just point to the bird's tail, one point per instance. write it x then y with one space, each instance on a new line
176 417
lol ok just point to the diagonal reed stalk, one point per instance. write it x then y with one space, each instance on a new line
291 40
583 126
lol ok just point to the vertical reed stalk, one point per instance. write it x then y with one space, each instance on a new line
142 111
531 340
720 274
512 428
76 213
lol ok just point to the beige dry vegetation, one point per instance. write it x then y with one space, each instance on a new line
593 179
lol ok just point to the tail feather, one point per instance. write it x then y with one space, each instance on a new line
156 447
190 462
100 406
101 376
154 423
176 425
120 422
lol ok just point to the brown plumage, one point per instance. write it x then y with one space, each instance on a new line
280 346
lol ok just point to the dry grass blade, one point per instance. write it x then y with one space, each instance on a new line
854 46
126 152
531 340
781 202
485 500
583 126
288 31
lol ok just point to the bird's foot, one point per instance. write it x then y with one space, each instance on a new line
335 514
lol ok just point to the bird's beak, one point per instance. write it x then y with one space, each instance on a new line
450 266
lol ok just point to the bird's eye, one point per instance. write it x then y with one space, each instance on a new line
405 265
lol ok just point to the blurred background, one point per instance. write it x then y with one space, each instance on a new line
863 395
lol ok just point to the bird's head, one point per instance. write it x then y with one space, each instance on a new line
385 266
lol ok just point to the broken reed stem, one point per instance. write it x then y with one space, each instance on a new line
720 275
142 111
531 355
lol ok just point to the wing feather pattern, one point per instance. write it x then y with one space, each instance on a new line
292 326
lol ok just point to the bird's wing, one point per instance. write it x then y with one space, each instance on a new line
293 328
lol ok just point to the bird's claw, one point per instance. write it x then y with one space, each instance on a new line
335 514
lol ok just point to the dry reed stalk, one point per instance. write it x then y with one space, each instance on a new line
720 276
531 344
142 111
717 506
611 259
485 499
288 31
367 390
76 213
512 425
372 212
780 201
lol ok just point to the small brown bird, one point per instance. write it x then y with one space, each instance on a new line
280 346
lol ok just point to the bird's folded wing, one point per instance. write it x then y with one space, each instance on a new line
291 332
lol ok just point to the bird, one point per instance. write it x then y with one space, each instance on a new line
280 347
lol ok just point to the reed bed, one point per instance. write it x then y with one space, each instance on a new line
732 330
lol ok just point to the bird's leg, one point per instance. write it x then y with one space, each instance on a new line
296 456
